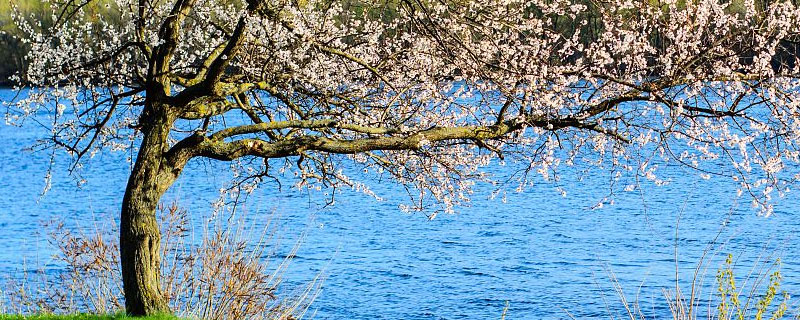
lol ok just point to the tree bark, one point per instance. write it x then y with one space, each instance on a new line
140 237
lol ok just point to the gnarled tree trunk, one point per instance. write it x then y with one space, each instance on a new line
140 236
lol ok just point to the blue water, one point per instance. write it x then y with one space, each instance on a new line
540 252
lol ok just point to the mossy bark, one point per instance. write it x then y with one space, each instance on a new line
140 237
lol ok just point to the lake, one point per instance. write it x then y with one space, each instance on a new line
537 251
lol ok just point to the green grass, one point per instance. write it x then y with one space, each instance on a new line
84 317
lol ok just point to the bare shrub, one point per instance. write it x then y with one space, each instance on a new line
755 295
227 274
750 297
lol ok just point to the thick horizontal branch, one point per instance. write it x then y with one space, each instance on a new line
216 148
302 124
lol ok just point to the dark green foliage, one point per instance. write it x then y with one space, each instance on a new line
37 13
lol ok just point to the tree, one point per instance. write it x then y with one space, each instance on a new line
426 92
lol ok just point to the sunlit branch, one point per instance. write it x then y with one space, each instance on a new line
206 107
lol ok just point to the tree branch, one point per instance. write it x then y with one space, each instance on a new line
215 147
206 107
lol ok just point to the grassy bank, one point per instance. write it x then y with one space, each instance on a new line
83 317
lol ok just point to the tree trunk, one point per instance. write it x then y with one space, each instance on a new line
140 237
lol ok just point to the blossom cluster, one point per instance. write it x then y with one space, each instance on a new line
694 83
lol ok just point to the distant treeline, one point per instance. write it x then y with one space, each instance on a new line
13 50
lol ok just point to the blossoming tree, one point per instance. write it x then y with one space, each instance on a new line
426 92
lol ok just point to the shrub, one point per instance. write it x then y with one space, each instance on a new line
227 275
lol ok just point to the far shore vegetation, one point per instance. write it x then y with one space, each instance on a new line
13 50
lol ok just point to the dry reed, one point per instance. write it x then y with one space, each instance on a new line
227 274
